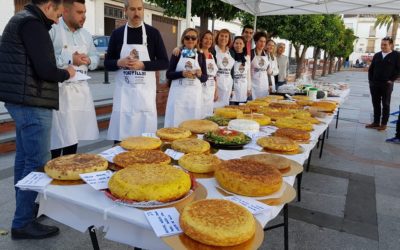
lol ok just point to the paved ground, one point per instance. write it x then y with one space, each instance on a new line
350 197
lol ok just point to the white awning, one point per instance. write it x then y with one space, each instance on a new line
304 7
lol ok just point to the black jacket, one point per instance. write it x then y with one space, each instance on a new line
28 70
385 69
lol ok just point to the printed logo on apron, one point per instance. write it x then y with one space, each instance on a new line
188 65
210 67
241 68
225 61
134 54
261 63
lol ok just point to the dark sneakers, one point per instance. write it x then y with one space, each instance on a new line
34 230
372 125
394 140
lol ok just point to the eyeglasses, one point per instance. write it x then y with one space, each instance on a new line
187 38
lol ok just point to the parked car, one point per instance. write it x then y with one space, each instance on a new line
101 44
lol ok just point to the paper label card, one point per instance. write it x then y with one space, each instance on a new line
268 129
254 206
174 154
34 180
255 135
110 153
97 180
153 135
164 221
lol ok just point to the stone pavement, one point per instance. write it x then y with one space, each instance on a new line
350 197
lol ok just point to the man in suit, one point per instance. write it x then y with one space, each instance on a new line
383 71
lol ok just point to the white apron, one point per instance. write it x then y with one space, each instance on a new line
239 82
76 118
209 88
275 71
185 95
224 78
134 102
259 76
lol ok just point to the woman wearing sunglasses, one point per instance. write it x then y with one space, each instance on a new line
209 88
259 67
241 72
187 71
225 63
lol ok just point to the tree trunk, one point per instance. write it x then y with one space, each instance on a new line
300 60
340 63
315 64
331 59
396 19
203 22
325 63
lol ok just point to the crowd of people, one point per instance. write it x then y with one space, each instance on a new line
46 54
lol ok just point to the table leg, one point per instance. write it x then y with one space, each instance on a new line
286 225
93 237
299 177
337 117
327 132
309 161
322 144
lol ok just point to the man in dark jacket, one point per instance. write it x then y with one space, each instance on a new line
29 87
383 71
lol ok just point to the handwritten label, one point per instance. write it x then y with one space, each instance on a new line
34 180
255 135
97 180
254 206
164 221
174 154
268 129
153 135
110 153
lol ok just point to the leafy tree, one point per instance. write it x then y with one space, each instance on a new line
273 25
204 9
388 20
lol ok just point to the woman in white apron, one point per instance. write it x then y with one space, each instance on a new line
209 87
76 118
187 72
273 71
225 64
241 72
134 102
259 67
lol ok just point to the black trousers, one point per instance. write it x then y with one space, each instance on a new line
64 151
381 94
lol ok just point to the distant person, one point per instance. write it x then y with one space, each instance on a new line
225 62
396 138
247 33
383 71
134 102
29 87
347 63
76 118
273 71
283 65
259 67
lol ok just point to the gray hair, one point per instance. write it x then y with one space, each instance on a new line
126 3
281 45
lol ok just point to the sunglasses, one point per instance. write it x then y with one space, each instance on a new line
187 38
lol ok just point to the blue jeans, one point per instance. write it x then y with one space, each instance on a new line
33 125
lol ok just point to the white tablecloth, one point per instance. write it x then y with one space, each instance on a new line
81 206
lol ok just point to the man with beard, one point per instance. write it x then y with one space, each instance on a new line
76 118
134 103
28 86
